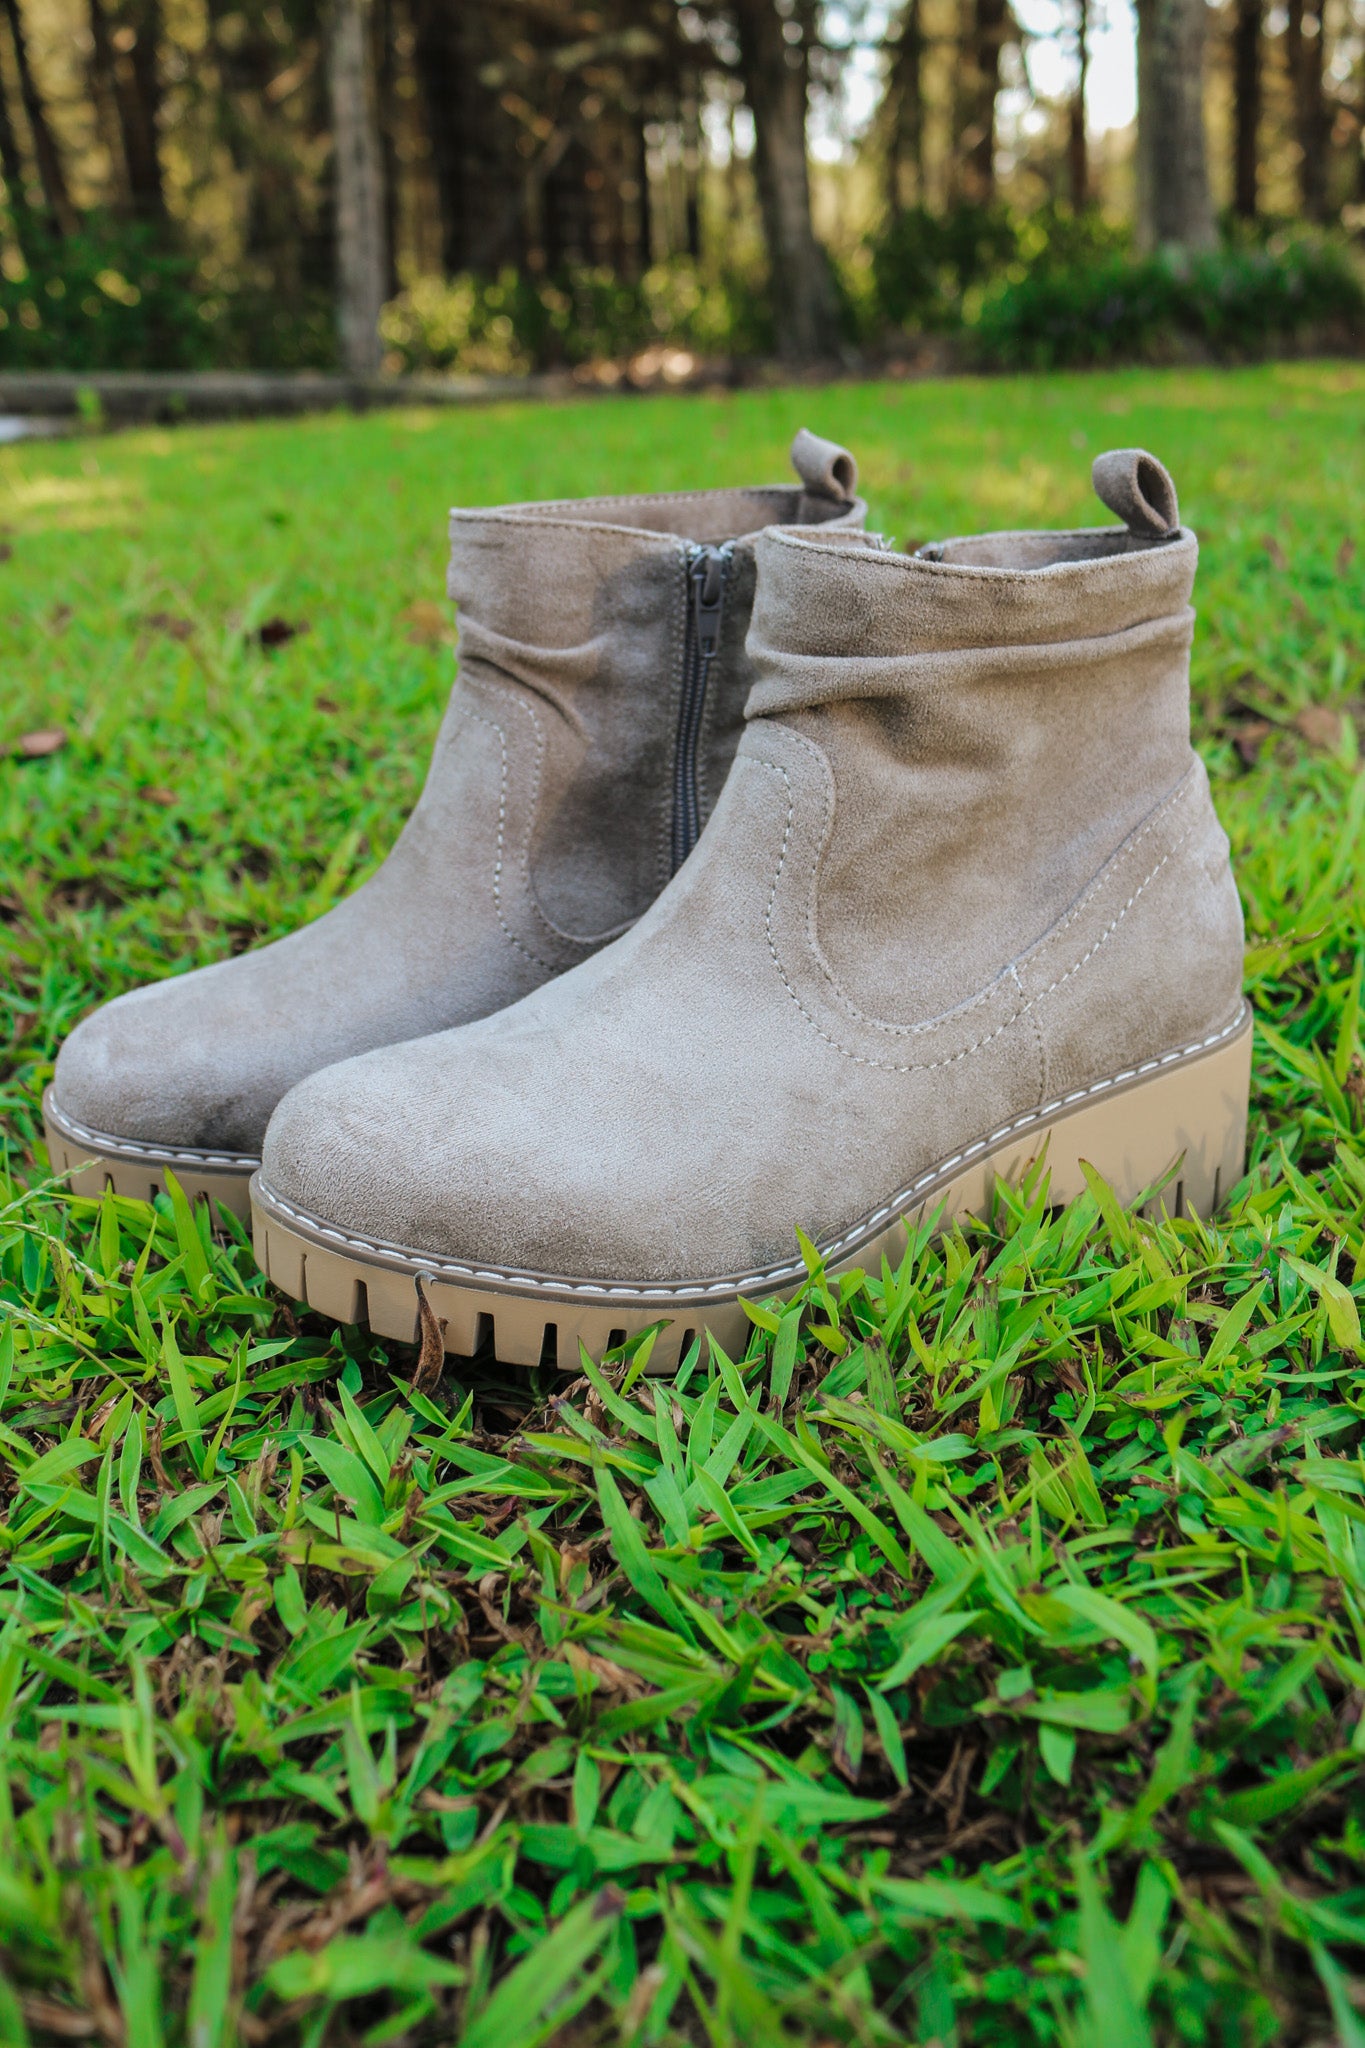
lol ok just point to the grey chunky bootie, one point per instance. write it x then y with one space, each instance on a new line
600 698
964 897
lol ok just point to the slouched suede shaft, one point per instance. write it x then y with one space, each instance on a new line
541 833
965 862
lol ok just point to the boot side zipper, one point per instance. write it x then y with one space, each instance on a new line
708 570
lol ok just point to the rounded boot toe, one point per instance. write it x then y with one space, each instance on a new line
158 1067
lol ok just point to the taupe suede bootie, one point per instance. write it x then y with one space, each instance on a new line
601 690
964 897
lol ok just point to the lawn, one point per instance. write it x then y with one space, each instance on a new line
979 1660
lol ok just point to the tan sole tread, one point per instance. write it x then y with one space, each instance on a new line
91 1162
1190 1108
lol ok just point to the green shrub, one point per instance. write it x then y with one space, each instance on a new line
250 328
930 269
513 324
114 296
1234 301
106 298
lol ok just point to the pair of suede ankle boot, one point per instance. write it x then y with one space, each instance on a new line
960 901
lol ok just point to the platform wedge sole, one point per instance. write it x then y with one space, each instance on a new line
1180 1119
92 1162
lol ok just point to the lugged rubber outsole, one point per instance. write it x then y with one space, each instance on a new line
1186 1110
93 1161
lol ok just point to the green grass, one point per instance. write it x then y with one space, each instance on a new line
980 1660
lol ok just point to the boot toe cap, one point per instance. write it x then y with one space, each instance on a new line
156 1067
489 1157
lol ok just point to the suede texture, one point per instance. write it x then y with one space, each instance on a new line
965 860
543 829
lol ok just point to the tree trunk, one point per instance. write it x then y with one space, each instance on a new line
1304 41
691 165
734 181
436 58
905 145
1175 207
384 40
104 100
989 32
801 290
1246 107
47 156
12 167
645 217
362 261
137 96
1077 154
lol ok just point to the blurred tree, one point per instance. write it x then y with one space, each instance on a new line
773 65
46 152
12 166
985 28
268 111
1077 152
307 157
362 260
904 108
1246 107
1175 207
125 60
1305 49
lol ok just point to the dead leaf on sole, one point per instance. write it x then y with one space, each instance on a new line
431 1358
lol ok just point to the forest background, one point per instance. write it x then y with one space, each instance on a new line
389 185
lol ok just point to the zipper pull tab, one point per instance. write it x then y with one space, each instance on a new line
708 599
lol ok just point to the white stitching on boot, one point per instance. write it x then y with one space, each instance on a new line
106 1142
951 1016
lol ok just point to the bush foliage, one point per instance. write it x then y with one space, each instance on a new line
106 298
1235 301
930 269
114 296
514 324
1042 290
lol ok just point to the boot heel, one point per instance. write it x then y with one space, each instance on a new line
1190 1114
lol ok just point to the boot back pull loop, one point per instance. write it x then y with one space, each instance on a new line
826 469
1136 486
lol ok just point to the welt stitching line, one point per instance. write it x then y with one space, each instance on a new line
951 1059
897 1206
105 1142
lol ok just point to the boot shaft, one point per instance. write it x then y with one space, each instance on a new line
605 639
997 715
